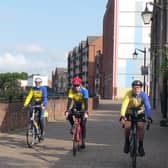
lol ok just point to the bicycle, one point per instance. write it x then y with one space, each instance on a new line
33 131
133 138
77 130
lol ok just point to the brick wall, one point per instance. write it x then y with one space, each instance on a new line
13 117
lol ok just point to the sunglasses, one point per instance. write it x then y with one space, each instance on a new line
76 85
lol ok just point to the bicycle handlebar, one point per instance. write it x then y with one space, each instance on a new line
77 113
136 120
36 106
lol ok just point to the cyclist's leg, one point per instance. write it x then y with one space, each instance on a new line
83 126
30 113
42 122
127 133
141 133
71 121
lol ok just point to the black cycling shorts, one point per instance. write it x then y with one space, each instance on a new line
141 117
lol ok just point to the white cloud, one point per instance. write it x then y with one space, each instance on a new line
9 62
42 64
32 48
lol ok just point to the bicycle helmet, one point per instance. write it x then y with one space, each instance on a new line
77 81
38 79
137 83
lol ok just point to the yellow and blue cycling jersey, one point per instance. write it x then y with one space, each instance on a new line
37 95
140 102
79 97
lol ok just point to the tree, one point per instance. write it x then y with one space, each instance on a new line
9 84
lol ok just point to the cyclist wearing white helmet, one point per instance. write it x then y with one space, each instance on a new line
38 95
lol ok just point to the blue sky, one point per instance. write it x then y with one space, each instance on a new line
36 35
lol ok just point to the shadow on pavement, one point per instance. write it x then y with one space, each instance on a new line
109 106
104 145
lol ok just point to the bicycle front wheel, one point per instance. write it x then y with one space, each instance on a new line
133 152
75 140
134 161
75 147
31 135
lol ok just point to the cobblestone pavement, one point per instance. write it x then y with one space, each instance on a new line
104 145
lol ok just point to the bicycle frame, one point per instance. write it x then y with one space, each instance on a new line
33 131
34 116
133 138
77 131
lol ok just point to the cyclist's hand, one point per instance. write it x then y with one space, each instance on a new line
122 120
149 120
86 115
66 113
43 107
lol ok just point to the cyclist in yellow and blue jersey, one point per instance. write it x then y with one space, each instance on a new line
38 96
138 100
78 99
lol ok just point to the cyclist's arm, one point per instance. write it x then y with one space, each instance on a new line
85 97
86 104
147 106
45 101
125 104
70 100
69 104
28 98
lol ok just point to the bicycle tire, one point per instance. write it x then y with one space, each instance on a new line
75 140
134 151
75 146
30 135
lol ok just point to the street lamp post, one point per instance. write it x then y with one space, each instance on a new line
144 68
161 24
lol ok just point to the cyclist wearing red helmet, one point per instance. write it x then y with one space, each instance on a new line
78 99
135 99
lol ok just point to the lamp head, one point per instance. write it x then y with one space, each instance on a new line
146 15
135 54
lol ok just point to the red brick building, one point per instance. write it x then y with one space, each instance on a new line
81 62
108 88
59 80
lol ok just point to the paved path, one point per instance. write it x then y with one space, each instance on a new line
104 145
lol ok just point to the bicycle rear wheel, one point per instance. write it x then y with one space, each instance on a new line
31 135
